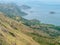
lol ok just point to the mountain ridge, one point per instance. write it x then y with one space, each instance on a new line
11 9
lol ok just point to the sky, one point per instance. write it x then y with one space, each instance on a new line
43 1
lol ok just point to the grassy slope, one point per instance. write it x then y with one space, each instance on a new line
14 32
45 34
11 33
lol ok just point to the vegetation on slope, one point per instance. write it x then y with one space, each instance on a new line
11 32
44 34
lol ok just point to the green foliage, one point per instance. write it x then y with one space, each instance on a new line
56 27
43 40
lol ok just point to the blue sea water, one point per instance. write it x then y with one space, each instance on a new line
41 11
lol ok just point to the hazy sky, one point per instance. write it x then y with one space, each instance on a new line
50 1
44 1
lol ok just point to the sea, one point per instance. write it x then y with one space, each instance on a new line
45 13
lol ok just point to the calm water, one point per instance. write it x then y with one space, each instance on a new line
42 11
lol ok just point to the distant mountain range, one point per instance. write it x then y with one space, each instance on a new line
11 9
15 30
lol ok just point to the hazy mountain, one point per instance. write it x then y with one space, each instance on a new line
11 9
25 7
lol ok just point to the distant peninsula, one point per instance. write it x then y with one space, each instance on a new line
25 7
